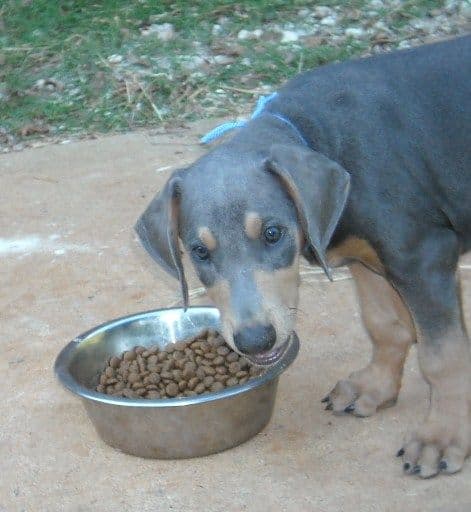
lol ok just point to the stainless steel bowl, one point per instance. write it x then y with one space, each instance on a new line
170 428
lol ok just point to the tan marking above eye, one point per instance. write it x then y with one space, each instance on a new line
253 225
207 238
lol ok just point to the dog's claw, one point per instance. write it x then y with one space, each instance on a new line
349 408
329 407
325 399
400 453
415 470
406 466
443 465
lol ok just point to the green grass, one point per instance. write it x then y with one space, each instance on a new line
414 9
70 42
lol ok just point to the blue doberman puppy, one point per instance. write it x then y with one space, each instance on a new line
365 163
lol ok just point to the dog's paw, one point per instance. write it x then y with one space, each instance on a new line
440 445
364 392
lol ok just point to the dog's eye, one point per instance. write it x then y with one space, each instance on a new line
201 252
272 234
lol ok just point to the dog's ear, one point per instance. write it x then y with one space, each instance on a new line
158 229
318 187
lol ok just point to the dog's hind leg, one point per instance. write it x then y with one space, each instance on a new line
391 329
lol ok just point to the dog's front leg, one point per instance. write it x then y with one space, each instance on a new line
391 330
430 287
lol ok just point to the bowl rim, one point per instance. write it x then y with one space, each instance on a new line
64 358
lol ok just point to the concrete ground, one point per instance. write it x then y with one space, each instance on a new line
69 261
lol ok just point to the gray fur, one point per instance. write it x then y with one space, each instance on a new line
395 126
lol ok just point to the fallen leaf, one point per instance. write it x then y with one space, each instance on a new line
34 129
231 50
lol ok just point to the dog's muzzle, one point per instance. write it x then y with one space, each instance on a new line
255 339
256 343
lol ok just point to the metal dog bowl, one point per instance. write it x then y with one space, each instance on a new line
169 428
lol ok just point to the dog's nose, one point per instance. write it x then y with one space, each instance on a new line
255 339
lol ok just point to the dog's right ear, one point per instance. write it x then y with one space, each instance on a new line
158 230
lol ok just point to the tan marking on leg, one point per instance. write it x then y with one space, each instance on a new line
446 366
445 435
280 293
356 249
392 332
253 225
207 238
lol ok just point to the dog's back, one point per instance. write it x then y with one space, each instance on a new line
404 114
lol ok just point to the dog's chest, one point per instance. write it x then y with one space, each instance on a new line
355 249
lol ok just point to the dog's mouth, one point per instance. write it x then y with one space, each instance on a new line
270 357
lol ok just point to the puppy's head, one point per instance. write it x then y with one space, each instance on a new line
245 222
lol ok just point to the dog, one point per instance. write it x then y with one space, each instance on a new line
365 163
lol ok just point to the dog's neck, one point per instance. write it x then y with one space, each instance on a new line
285 120
259 135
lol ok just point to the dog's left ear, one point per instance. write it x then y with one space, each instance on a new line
319 189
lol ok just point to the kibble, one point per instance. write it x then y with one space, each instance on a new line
192 383
232 381
141 363
203 364
200 388
208 370
232 357
154 378
223 351
115 362
218 360
129 356
209 380
234 367
217 386
172 389
133 377
153 359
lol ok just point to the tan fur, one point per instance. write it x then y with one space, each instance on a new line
253 225
446 432
356 249
220 294
392 332
207 237
279 291
446 365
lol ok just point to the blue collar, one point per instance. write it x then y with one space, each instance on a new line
217 132
290 124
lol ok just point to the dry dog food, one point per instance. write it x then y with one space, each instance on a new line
199 365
